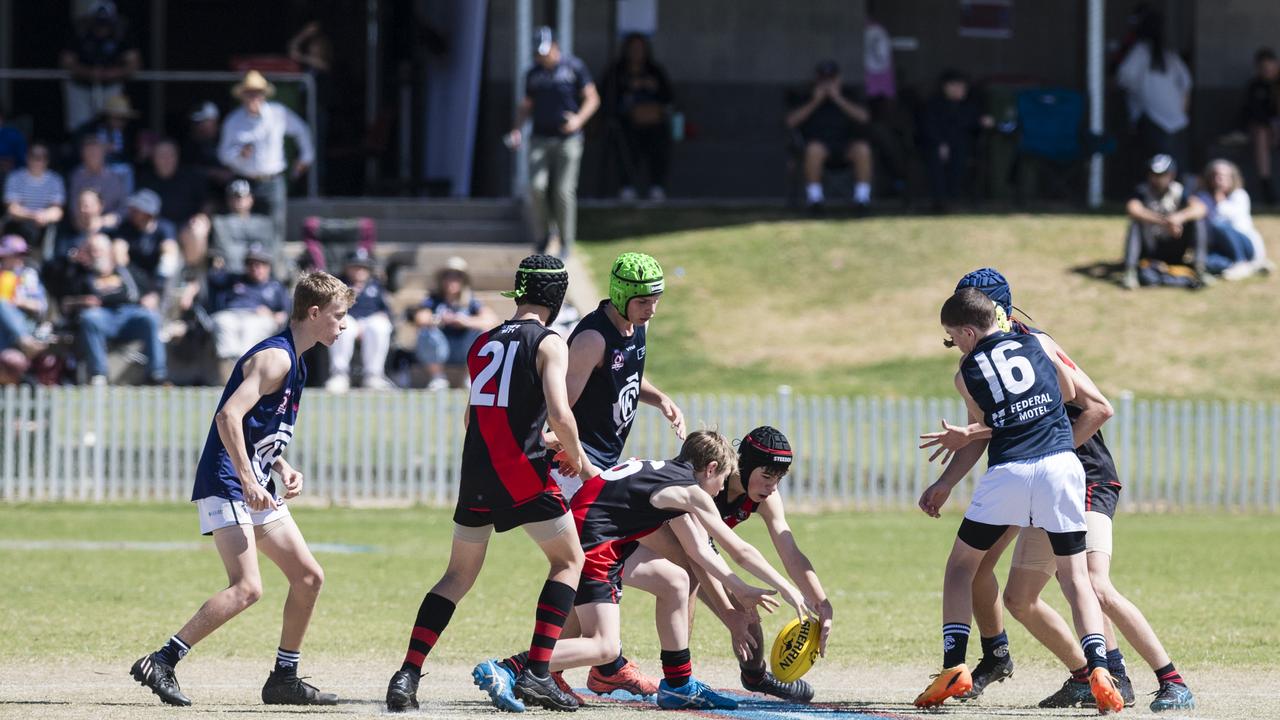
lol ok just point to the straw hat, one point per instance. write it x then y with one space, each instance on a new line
118 106
253 81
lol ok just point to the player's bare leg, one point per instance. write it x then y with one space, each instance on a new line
597 642
1022 599
1086 613
957 610
988 614
281 541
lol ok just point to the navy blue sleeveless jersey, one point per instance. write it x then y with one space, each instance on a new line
504 461
735 511
1015 383
268 428
607 406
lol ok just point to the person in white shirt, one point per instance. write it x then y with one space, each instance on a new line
252 145
1158 84
1236 248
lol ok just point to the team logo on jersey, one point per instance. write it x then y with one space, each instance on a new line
284 402
624 409
619 359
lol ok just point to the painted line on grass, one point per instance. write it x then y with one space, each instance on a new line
754 707
98 546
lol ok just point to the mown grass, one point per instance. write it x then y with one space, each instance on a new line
758 299
1203 581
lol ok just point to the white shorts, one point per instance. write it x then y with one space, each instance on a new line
1045 492
569 486
219 512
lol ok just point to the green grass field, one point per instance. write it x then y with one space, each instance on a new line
1207 583
756 299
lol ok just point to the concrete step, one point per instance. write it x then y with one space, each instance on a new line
406 208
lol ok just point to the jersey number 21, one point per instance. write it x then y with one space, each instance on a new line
500 357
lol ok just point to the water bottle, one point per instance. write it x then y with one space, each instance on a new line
677 126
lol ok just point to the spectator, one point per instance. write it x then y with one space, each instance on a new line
1236 249
1262 116
93 174
832 125
200 150
370 323
127 143
640 98
312 49
145 242
1166 220
252 145
23 301
34 195
560 97
85 219
13 146
449 321
949 124
229 235
111 303
100 57
1159 91
246 308
183 196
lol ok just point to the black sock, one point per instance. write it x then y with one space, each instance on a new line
676 667
1095 650
287 662
955 643
1115 662
554 603
173 651
1169 673
517 662
995 648
1080 674
610 669
433 616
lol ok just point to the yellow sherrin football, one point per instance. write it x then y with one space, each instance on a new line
795 650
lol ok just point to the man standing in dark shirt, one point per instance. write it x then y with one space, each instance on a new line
561 97
108 302
832 125
100 57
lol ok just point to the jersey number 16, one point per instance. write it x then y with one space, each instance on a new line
1015 372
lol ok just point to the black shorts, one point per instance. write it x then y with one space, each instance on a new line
1102 497
546 505
837 143
601 580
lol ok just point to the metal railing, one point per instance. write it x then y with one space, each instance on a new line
200 76
101 444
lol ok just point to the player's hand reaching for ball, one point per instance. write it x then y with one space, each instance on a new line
257 497
738 623
752 597
934 497
824 620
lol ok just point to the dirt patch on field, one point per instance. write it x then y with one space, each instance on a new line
221 688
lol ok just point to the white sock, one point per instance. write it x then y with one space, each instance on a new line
813 191
862 193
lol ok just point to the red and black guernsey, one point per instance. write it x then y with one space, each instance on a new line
504 461
613 511
735 511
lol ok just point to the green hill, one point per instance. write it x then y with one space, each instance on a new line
757 299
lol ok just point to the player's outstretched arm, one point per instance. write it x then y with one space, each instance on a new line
1095 409
651 395
693 538
797 564
553 360
264 373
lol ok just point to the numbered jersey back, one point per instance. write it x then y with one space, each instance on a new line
1016 385
504 458
614 505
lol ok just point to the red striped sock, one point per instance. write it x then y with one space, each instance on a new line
433 617
676 667
1169 673
1080 675
554 604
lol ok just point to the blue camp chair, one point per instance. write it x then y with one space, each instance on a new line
1051 136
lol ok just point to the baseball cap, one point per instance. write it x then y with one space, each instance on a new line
239 188
542 39
12 245
258 252
827 68
361 258
1161 164
146 201
205 111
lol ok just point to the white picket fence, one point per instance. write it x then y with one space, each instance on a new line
101 444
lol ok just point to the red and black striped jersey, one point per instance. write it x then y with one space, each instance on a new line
504 461
735 511
614 505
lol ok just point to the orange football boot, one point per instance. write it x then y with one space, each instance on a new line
1105 692
950 682
628 678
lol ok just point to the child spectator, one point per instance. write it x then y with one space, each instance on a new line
369 322
23 302
450 319
949 125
